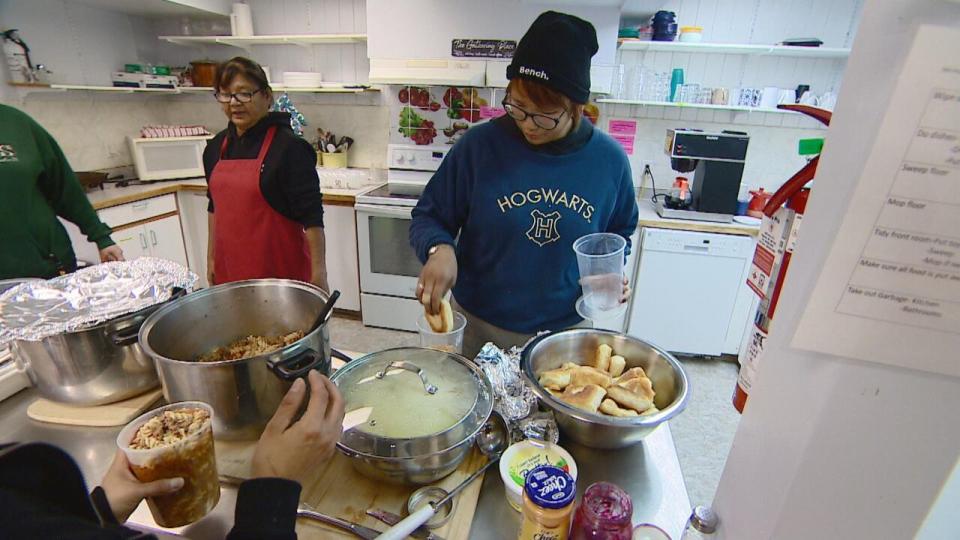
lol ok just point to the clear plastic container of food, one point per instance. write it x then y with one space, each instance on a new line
451 342
185 452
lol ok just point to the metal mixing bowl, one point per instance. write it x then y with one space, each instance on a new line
594 429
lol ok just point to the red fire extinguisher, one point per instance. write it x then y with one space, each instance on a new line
775 244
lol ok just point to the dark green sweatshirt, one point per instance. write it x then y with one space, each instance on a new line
37 185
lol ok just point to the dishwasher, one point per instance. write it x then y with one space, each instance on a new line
689 294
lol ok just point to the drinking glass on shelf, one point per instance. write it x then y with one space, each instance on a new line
619 81
663 86
705 95
689 93
634 83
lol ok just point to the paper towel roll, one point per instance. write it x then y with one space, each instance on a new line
241 20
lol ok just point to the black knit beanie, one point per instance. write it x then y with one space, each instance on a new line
556 52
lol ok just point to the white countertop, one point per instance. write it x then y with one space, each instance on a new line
650 218
112 195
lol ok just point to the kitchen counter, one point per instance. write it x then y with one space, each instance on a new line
650 472
112 195
650 218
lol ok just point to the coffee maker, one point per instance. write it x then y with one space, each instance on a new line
717 160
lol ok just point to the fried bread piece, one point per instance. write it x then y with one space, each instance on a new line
632 373
584 375
617 364
601 359
587 397
627 398
556 379
610 407
643 387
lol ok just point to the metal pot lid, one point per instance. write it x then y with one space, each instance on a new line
409 402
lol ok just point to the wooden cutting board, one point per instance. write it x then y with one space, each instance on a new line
111 414
336 489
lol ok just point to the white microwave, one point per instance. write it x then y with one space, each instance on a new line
167 158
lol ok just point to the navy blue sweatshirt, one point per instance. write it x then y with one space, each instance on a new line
517 212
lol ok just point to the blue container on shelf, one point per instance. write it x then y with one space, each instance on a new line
664 26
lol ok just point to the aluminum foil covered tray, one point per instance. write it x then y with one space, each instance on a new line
35 310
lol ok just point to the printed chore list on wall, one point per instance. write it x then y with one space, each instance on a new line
892 279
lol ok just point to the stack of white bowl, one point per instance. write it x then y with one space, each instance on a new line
302 79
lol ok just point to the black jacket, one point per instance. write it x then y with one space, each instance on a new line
288 180
43 495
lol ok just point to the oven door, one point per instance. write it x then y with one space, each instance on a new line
388 265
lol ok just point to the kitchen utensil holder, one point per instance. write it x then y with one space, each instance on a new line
333 160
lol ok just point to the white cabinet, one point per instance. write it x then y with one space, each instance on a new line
166 240
343 271
133 242
161 238
193 221
150 227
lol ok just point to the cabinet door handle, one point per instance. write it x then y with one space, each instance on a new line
153 237
140 205
143 241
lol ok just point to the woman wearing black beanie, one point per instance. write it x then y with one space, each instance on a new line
516 193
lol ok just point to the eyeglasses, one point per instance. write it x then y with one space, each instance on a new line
242 97
542 121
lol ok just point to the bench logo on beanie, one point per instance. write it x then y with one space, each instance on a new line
530 72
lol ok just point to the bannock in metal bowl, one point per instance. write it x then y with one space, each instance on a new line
596 430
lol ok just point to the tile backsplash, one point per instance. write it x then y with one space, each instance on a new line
92 128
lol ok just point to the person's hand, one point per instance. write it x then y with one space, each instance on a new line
437 277
320 280
124 492
111 253
607 283
292 451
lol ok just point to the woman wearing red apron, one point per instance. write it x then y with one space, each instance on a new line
266 210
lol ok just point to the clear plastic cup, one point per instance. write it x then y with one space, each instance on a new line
600 259
192 459
451 341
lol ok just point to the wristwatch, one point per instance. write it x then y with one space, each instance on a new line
433 250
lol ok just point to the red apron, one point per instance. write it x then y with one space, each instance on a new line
251 239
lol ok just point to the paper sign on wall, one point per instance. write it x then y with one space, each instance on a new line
623 127
890 288
626 141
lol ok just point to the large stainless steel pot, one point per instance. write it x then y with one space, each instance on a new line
93 366
549 351
424 457
244 393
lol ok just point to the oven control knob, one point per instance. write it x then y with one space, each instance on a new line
398 158
410 157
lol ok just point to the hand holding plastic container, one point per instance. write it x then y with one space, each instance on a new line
176 442
600 258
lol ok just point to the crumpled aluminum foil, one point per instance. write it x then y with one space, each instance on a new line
540 425
35 310
515 401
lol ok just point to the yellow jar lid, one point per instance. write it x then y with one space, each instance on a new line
691 29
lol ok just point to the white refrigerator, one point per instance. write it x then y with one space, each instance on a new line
852 427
